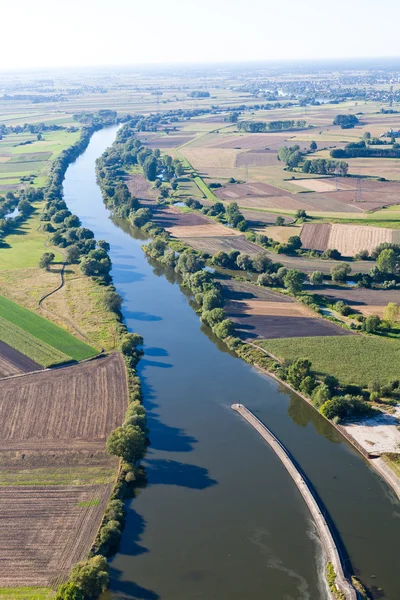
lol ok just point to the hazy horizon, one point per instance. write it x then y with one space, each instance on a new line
125 34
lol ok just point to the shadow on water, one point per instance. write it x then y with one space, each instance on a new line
141 316
163 437
172 472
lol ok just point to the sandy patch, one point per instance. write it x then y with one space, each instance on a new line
280 234
316 185
377 434
278 309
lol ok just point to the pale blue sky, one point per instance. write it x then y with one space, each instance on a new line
47 33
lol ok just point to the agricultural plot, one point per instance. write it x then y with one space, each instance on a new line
83 402
365 300
212 245
38 338
56 528
348 239
259 313
354 359
139 187
13 362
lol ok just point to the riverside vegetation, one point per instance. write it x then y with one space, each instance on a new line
334 400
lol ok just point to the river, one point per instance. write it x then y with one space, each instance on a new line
220 517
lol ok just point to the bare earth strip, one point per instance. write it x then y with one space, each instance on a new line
378 434
316 237
316 185
45 530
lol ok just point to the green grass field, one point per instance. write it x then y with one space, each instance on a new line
26 593
42 330
352 359
29 345
26 245
74 475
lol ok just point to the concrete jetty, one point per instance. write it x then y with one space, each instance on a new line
343 585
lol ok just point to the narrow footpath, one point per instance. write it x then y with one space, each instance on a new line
343 585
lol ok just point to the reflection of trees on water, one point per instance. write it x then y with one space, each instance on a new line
302 414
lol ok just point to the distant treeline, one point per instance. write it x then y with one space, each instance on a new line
261 127
360 149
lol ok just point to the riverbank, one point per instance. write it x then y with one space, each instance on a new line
194 464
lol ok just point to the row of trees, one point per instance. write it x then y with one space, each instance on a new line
324 166
261 126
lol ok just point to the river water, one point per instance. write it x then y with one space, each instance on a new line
220 517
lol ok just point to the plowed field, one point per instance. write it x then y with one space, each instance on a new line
45 530
348 239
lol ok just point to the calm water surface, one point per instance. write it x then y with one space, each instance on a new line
220 518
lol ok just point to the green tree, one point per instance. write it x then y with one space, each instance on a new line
224 329
321 394
340 272
46 260
112 301
391 313
69 591
293 281
150 168
279 221
316 277
244 262
307 385
128 442
130 343
261 262
298 370
91 576
387 261
73 254
372 323
313 146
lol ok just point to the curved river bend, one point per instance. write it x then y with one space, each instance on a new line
220 517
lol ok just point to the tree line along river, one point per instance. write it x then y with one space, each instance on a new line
220 517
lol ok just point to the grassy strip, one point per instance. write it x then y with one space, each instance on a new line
26 593
74 475
331 578
203 187
393 462
354 359
44 330
29 345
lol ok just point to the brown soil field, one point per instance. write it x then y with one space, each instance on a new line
202 158
358 297
204 230
242 190
139 187
257 159
315 237
13 362
254 141
375 195
45 530
261 218
82 402
169 141
265 322
212 245
170 216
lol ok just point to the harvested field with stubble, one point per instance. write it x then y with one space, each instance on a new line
45 530
257 158
84 402
55 474
348 239
264 314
